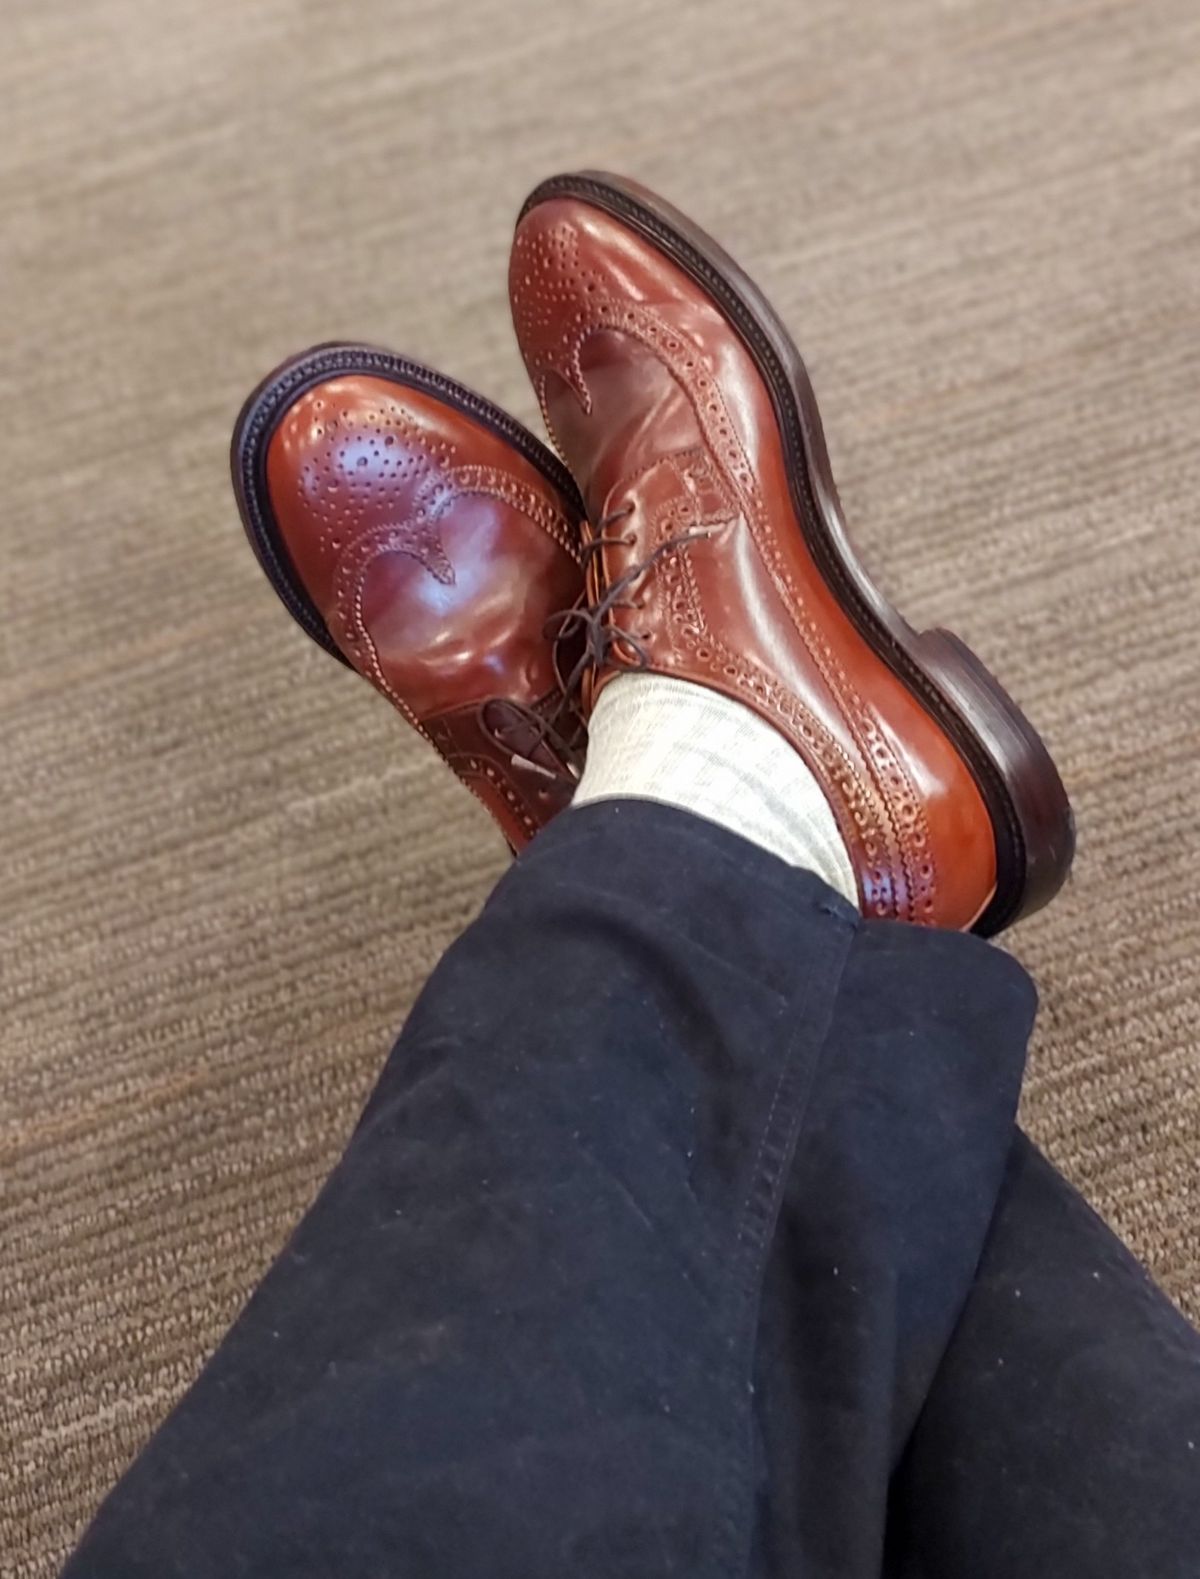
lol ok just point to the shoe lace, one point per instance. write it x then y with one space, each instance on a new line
601 637
586 625
560 729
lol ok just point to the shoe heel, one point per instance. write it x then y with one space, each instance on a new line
1035 827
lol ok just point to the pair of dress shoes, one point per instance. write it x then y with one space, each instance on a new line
691 528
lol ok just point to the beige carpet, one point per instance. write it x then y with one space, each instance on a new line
226 869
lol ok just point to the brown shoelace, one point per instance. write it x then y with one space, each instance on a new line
601 639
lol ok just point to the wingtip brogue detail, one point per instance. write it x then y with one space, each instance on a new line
429 541
662 377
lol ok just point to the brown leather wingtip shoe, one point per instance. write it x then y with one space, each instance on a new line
719 555
424 537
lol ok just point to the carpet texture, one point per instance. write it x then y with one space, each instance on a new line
227 867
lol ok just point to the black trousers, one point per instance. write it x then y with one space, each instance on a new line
687 1233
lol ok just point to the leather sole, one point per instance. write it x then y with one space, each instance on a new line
266 407
1030 814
